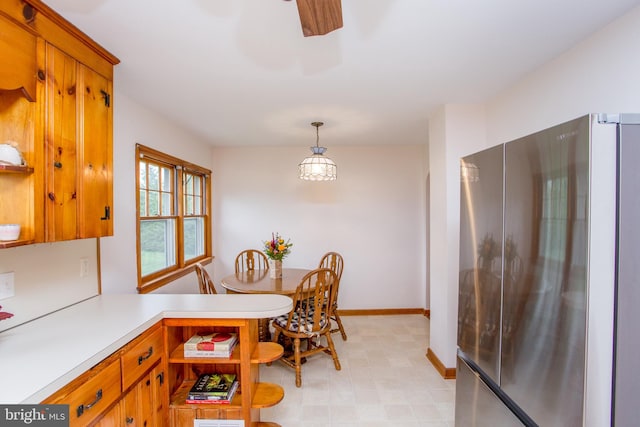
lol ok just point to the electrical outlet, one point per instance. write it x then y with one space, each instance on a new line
84 267
7 286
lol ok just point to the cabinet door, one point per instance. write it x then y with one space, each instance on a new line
160 396
130 407
78 166
61 141
144 404
113 418
95 155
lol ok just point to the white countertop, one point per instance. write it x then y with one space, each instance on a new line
41 356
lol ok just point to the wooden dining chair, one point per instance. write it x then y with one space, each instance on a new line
204 280
335 262
309 320
251 259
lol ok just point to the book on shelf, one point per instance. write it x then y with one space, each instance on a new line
212 385
214 341
204 399
218 353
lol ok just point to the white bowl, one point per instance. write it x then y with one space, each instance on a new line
9 232
10 155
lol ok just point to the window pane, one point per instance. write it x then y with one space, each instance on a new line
154 204
197 204
188 205
166 179
197 185
154 177
193 237
188 183
167 204
157 245
143 203
143 174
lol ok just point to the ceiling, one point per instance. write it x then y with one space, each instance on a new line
240 72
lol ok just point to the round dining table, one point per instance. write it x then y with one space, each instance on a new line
259 282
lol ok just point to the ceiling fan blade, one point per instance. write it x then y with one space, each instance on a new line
319 17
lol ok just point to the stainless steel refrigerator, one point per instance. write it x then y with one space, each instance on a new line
548 285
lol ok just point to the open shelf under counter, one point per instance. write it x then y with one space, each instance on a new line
264 352
265 395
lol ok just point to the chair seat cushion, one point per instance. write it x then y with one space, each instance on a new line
297 320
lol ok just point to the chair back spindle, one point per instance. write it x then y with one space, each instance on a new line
335 262
204 280
251 259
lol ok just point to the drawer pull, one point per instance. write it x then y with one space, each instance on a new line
88 406
145 357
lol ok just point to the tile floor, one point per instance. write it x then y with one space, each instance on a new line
386 380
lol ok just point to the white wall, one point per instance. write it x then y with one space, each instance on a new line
374 215
136 124
454 131
599 74
47 278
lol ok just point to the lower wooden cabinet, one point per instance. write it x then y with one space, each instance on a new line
146 382
127 389
144 404
89 395
248 354
112 418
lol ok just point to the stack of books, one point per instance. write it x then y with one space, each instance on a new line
213 388
215 344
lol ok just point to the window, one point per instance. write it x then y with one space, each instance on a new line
174 223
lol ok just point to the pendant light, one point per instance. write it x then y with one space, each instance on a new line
317 167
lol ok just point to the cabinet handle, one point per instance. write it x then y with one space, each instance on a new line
88 406
107 213
160 377
145 357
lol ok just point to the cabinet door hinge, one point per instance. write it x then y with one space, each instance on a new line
107 98
107 213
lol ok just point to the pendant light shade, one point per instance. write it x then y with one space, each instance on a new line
317 167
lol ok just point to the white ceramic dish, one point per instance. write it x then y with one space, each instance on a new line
9 232
9 155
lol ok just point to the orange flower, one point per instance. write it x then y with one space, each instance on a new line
277 248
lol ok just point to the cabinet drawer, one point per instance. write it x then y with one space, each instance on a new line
140 356
93 396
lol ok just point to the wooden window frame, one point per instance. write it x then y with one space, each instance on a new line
163 277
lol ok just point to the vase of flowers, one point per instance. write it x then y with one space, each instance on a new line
276 249
488 249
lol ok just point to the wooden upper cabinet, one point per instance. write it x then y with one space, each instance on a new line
95 190
56 106
60 145
79 153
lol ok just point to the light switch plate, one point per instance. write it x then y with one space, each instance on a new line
7 286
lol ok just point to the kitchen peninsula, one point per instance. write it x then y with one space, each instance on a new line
39 358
